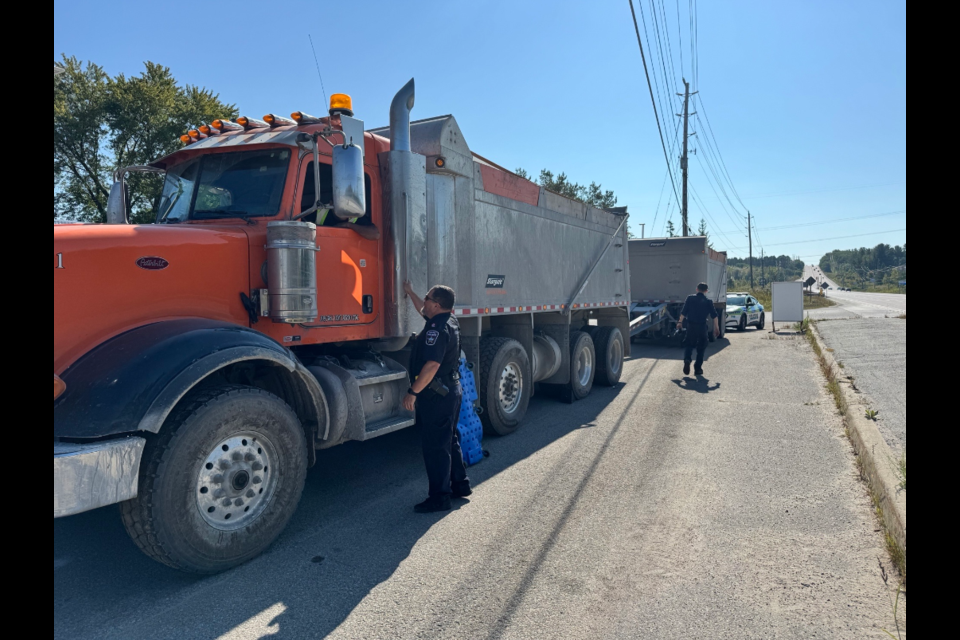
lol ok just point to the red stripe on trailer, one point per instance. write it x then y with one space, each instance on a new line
509 185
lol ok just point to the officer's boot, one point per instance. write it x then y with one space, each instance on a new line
434 505
686 367
462 490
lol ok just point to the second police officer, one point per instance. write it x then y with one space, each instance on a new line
436 396
697 311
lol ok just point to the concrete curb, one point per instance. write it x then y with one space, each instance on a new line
879 461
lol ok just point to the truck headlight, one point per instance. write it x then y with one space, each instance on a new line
58 387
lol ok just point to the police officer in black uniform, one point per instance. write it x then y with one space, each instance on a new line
697 310
436 395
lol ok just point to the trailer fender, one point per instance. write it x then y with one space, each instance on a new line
131 383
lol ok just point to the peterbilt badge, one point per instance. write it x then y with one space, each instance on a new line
152 263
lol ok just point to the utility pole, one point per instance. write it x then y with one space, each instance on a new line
750 234
684 161
763 268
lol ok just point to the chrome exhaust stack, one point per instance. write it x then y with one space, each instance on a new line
404 177
400 117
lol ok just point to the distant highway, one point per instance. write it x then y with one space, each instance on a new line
855 304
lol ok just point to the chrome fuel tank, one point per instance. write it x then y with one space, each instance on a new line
292 272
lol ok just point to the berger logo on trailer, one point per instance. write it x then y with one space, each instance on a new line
657 245
496 282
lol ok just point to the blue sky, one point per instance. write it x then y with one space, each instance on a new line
806 99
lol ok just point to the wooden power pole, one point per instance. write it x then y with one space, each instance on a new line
685 160
750 235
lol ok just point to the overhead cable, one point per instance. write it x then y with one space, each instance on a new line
652 100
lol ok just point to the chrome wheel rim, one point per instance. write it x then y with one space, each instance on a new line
511 388
237 481
585 367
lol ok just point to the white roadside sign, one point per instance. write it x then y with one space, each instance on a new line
788 302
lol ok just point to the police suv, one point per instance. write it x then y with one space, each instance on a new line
744 311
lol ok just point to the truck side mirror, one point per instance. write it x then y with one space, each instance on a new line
117 203
349 187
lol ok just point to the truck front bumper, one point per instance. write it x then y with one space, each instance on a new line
90 476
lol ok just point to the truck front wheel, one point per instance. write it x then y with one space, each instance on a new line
506 383
220 482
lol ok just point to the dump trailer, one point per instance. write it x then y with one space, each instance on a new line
664 271
201 362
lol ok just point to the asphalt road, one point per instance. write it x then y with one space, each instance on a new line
874 353
855 304
666 508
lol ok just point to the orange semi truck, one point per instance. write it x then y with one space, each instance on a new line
202 361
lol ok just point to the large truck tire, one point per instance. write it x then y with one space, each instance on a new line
583 366
220 482
505 385
610 349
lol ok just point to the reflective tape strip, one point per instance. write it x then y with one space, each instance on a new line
494 311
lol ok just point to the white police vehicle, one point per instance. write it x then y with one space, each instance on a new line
743 310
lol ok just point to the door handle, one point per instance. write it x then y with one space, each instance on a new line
367 305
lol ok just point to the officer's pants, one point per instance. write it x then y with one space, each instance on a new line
438 418
696 339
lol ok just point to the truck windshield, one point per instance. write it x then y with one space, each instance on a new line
225 185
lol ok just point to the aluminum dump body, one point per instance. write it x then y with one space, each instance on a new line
667 270
504 244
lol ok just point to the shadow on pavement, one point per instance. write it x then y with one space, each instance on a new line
698 384
354 528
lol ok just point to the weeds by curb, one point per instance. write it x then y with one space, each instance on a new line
877 494
903 472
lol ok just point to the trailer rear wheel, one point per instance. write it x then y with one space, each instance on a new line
220 482
506 383
583 369
609 345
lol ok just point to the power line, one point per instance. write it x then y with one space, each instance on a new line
652 100
713 159
680 38
723 163
861 235
817 224
838 220
795 193
712 170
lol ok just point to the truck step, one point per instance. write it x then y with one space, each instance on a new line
389 425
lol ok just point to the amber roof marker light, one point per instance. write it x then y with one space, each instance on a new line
58 387
278 121
302 118
252 123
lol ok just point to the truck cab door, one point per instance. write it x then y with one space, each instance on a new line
348 265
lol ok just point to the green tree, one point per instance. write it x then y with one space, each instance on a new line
102 124
671 229
594 195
